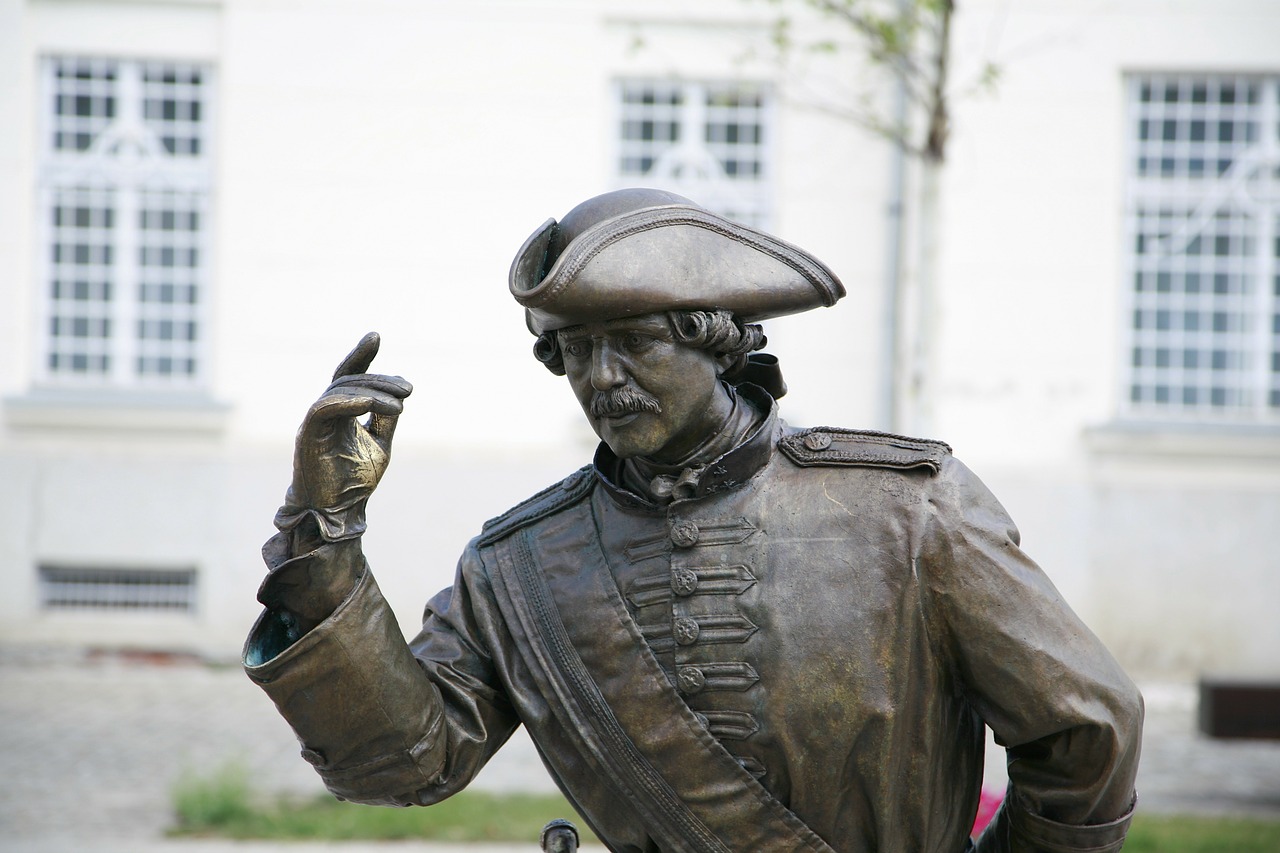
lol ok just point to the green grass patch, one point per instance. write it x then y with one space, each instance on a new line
1169 834
224 804
205 803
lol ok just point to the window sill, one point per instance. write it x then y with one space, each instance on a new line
189 413
1186 441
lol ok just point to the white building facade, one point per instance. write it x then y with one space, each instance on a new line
205 203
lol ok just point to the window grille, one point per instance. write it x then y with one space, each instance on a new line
124 190
706 141
1203 223
63 588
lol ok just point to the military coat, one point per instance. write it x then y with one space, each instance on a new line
801 655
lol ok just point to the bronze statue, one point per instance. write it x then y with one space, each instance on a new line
726 633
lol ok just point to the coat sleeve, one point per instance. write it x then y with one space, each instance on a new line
1055 698
384 723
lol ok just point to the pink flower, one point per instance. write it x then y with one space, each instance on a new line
988 804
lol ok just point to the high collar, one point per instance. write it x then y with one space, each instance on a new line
727 471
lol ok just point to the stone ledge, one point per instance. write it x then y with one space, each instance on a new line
115 411
1214 441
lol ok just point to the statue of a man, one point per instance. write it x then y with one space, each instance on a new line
726 633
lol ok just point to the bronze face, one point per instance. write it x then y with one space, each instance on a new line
644 393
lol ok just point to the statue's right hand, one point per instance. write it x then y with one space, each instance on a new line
339 460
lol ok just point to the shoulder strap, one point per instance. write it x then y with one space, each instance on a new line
568 491
829 446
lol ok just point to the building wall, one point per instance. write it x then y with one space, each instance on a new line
1156 532
377 165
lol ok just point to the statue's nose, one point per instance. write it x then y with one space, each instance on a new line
607 370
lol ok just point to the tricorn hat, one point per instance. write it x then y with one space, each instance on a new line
640 251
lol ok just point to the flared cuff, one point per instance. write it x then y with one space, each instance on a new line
335 524
369 720
1017 829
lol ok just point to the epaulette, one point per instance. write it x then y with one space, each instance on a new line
833 446
568 491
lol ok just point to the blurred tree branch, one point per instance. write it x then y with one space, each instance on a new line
908 39
910 42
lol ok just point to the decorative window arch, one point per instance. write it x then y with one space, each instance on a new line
707 141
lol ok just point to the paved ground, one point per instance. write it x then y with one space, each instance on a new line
91 747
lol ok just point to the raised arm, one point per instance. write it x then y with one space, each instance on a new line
338 462
379 724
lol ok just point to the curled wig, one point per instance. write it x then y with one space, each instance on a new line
719 332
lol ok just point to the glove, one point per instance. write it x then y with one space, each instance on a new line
338 461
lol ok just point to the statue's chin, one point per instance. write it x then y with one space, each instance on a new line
626 435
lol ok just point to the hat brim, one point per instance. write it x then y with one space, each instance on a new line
665 258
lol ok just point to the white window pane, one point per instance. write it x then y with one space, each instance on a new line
168 324
81 282
173 106
83 101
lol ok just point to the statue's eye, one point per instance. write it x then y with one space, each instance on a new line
636 342
577 349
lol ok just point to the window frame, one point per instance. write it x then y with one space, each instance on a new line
130 160
746 200
1201 204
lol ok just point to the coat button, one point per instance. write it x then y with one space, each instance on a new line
690 679
817 441
686 631
684 534
684 582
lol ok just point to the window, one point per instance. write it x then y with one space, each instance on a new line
706 141
1203 224
124 191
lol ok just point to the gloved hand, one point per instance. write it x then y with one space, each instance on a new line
338 461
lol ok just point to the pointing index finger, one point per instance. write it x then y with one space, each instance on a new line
359 359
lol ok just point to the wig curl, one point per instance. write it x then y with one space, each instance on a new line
718 332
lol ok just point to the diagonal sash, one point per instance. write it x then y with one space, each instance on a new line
690 791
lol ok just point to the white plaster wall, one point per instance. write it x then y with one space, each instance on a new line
1031 293
76 493
1164 549
1186 578
382 161
378 163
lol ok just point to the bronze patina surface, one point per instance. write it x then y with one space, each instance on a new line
725 633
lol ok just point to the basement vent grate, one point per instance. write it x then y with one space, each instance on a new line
80 588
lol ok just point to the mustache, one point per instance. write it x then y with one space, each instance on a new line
622 401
